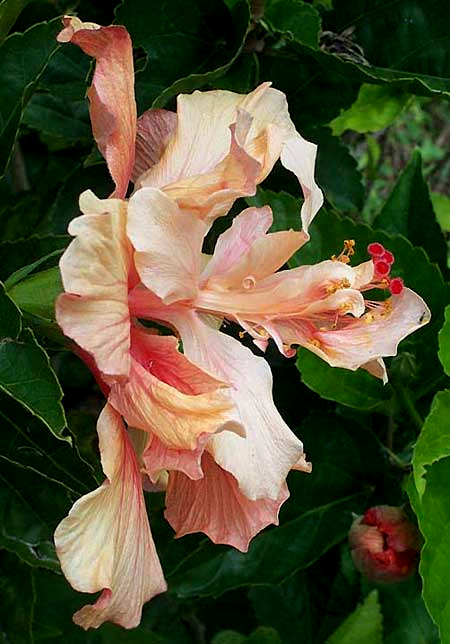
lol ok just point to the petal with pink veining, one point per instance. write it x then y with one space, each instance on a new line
216 506
94 270
111 95
105 542
375 334
168 244
158 458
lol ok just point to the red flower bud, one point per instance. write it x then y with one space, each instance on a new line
384 544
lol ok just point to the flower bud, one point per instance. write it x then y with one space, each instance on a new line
384 544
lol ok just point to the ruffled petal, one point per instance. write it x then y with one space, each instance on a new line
155 128
374 335
215 505
260 461
111 95
94 270
168 242
105 542
158 458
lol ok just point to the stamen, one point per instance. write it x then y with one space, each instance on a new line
346 252
375 249
382 269
396 286
387 257
315 342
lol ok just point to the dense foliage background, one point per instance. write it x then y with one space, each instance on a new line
369 82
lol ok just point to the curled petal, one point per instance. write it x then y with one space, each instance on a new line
168 242
105 542
94 270
215 505
111 95
158 458
261 461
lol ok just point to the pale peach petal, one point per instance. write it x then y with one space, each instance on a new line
364 274
211 195
260 461
376 368
94 270
287 292
375 334
299 156
237 240
158 458
177 419
168 242
111 95
243 261
161 356
215 505
105 542
154 131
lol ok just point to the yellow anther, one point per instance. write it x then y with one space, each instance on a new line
368 318
346 252
332 288
241 334
346 306
314 342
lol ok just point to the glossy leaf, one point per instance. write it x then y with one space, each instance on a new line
353 388
23 59
15 253
37 293
409 212
26 376
196 46
364 625
296 20
16 607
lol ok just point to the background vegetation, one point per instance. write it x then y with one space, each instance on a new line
369 82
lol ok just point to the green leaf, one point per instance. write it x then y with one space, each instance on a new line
57 118
433 443
185 49
444 342
389 34
376 107
409 212
296 20
337 172
23 59
17 593
433 514
356 389
10 317
364 625
262 635
26 376
37 294
32 248
9 12
306 537
441 206
21 273
285 208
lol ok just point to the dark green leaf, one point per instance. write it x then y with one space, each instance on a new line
285 208
22 273
409 212
23 59
17 593
262 635
26 376
57 118
185 49
10 317
356 389
13 253
9 12
306 538
296 20
364 625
